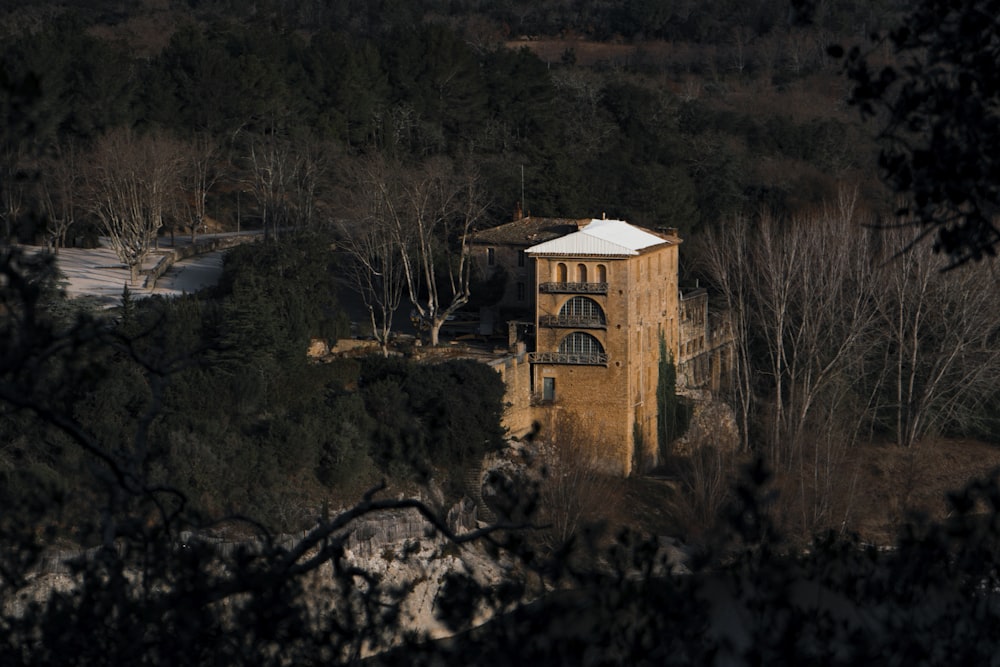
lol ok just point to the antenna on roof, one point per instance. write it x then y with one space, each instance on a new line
524 204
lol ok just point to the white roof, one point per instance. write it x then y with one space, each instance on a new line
600 237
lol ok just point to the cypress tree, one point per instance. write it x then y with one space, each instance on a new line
666 399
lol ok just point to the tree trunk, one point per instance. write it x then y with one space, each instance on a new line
435 332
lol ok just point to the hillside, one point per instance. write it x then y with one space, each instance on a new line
684 126
208 493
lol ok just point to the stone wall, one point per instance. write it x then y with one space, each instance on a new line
515 371
200 247
518 292
706 342
615 400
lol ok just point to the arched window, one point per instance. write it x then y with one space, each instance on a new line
581 273
602 273
582 309
560 272
579 343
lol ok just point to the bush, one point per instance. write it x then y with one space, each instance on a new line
432 416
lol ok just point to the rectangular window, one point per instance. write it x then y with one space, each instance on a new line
491 256
548 389
520 291
520 258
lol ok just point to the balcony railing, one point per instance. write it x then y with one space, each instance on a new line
574 288
572 322
593 359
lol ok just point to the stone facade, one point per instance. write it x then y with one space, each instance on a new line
704 359
514 369
502 250
598 322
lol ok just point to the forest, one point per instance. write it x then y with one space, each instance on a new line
278 100
739 124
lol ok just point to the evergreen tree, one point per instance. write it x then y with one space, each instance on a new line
667 422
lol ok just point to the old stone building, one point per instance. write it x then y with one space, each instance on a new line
604 296
596 296
501 253
704 357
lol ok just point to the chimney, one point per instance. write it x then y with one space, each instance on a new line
518 213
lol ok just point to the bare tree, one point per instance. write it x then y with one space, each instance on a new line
12 191
741 38
375 264
271 167
430 210
576 490
585 121
200 172
834 315
774 261
710 446
802 293
377 270
59 185
801 296
308 182
721 244
132 179
940 346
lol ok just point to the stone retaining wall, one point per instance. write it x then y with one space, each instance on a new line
199 247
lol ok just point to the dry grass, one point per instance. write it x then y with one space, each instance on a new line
896 482
885 484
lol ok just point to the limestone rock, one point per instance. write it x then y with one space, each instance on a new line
317 348
712 424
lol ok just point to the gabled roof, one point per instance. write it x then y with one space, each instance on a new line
603 238
528 231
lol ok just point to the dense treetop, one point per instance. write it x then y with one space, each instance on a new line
659 137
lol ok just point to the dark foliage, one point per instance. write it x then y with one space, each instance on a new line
279 295
442 416
420 80
937 104
228 408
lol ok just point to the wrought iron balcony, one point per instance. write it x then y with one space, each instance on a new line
592 359
572 322
574 288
